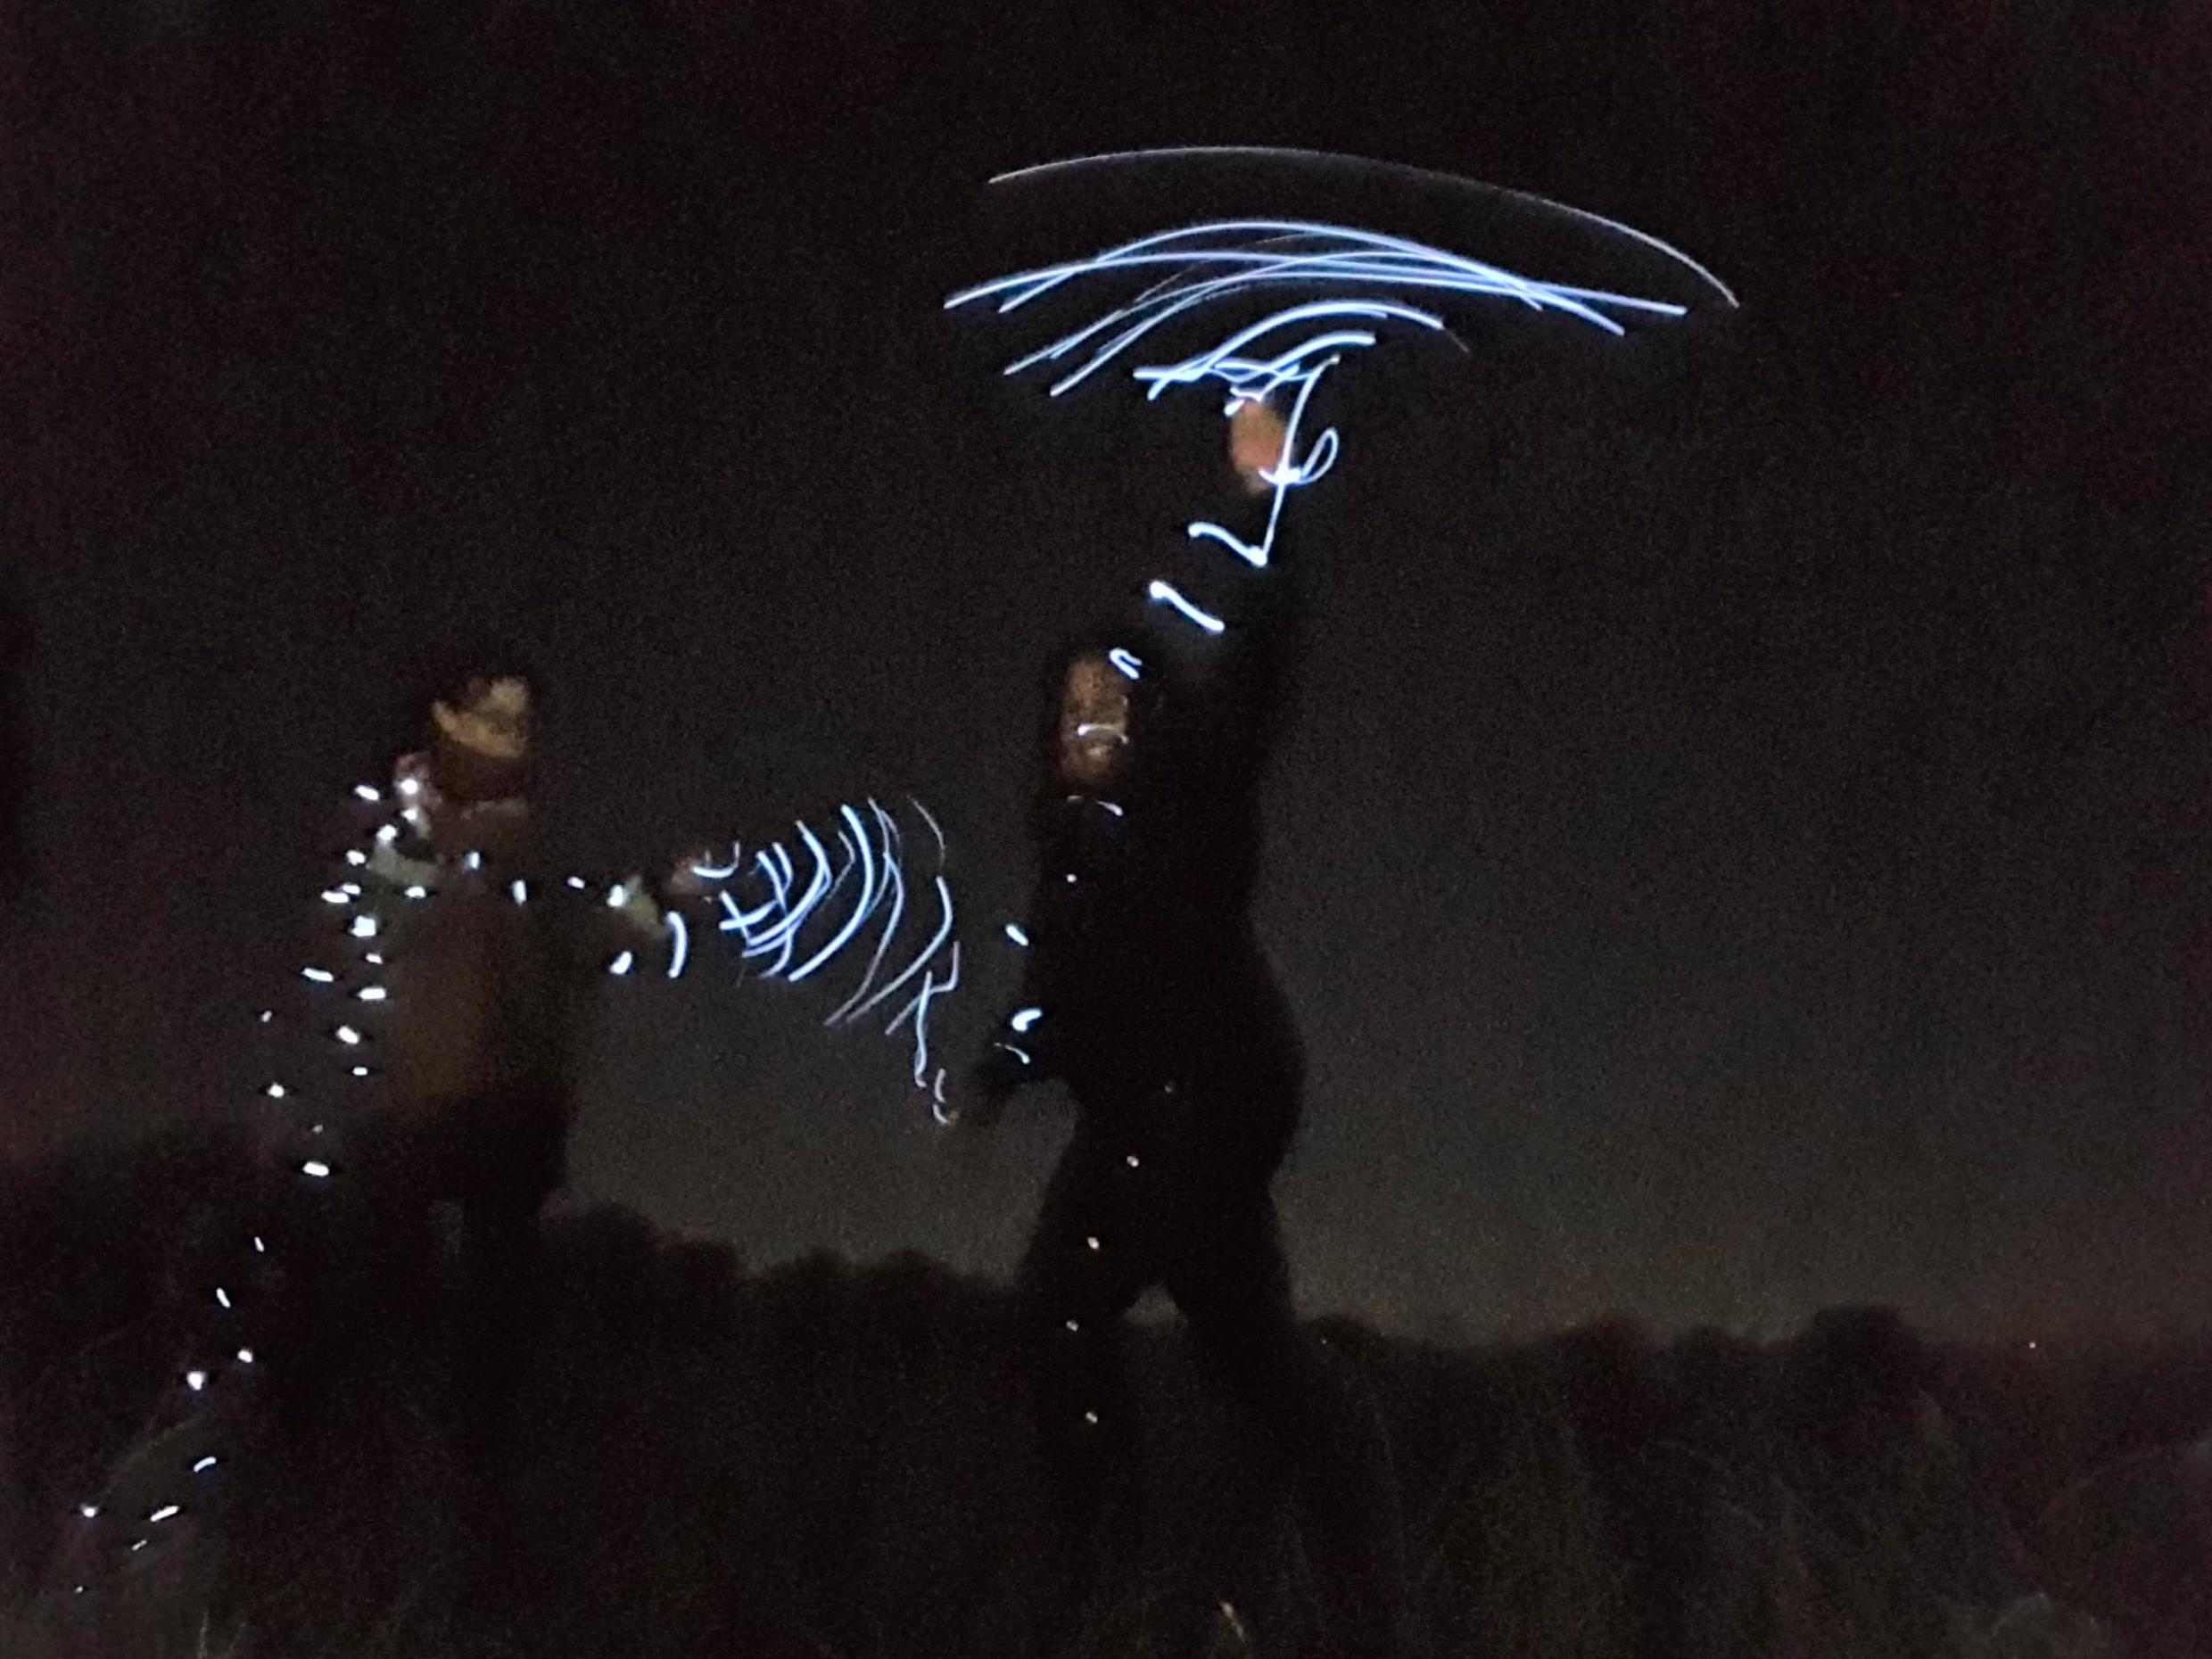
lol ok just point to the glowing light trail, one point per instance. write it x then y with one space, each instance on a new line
1369 281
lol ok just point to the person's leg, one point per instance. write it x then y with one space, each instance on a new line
1085 1267
512 1164
1233 1285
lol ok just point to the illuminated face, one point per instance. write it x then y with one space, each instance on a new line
493 721
1093 721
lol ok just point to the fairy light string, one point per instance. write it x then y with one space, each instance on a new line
391 870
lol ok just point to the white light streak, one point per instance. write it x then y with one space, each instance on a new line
165 1512
222 1297
519 891
621 963
417 892
363 927
372 993
275 1091
713 872
1014 932
367 792
1166 593
246 1356
1024 1017
195 1380
348 1035
205 1464
316 1168
679 954
320 975
332 895
1127 661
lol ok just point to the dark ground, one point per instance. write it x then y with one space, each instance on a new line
830 1459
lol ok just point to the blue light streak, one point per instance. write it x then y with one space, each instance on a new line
870 882
894 884
1385 169
1023 1019
723 873
680 932
1367 281
1164 592
1127 661
862 908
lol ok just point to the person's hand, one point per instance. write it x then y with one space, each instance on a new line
992 1081
685 881
1258 439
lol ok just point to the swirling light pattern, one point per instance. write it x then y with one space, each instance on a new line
1344 288
771 914
1359 272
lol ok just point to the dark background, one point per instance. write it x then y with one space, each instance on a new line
1747 847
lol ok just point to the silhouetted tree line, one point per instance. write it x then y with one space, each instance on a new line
841 1455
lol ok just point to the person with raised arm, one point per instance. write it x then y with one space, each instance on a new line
1147 993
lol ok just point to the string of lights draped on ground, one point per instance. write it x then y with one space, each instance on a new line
788 917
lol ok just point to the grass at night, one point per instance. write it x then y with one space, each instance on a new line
834 1460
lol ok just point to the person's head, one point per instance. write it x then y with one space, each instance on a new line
1093 720
481 735
1100 690
482 715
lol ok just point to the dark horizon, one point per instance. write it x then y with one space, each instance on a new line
1745 848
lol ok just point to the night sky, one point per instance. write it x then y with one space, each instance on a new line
1746 843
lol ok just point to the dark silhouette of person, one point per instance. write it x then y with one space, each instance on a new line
487 951
456 958
1147 993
